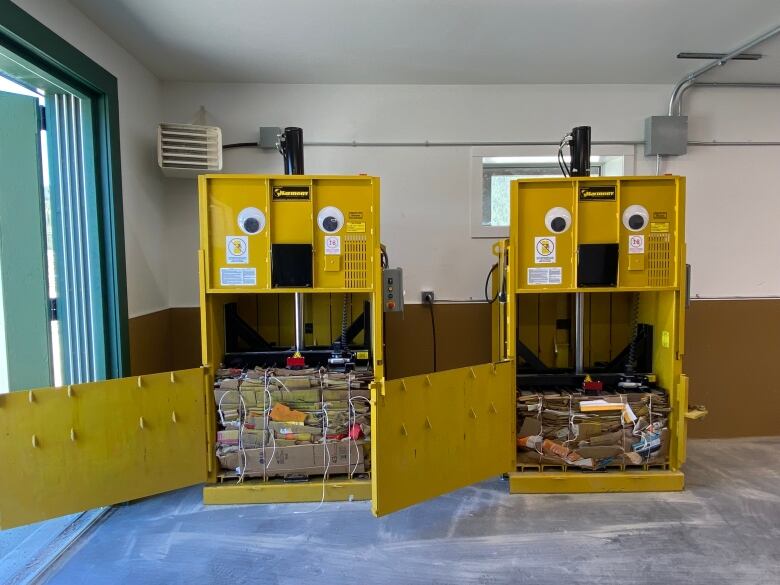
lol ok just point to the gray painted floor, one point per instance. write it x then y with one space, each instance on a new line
724 529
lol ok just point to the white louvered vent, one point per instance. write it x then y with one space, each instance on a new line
187 150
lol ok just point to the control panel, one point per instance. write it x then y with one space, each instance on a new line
393 290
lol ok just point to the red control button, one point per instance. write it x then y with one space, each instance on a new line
391 305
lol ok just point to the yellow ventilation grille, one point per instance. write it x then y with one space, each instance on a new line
659 260
355 262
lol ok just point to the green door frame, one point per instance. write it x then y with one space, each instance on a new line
42 53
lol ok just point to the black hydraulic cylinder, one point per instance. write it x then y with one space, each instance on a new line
291 146
580 151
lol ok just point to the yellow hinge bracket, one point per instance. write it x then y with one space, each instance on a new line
696 412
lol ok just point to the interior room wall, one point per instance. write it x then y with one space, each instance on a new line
425 191
140 110
731 206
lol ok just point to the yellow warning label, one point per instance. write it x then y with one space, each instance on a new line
356 227
362 355
659 227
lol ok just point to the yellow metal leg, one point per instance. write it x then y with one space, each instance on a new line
279 492
547 482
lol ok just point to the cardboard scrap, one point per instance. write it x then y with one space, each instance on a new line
282 412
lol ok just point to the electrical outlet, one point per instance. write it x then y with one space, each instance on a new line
427 297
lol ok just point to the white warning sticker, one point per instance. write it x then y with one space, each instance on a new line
332 245
544 250
552 275
237 276
636 244
237 249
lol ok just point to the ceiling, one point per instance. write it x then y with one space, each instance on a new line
437 41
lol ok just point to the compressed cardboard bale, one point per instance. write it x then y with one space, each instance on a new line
230 398
291 396
228 459
534 458
255 422
622 437
297 383
600 453
588 429
344 393
306 460
250 438
228 384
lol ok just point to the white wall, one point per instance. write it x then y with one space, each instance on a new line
140 110
733 202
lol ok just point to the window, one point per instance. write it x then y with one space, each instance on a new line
76 105
494 168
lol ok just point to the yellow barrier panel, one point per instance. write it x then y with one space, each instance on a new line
70 449
439 432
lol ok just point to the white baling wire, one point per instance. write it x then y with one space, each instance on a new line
352 406
325 423
541 427
241 449
350 418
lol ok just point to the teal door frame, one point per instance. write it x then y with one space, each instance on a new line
34 54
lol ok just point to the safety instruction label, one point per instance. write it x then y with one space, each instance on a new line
237 276
552 275
356 227
659 227
544 250
237 249
332 245
636 244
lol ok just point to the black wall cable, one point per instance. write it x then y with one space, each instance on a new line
429 302
487 281
239 145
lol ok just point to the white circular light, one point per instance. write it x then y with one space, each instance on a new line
330 219
635 218
251 221
557 220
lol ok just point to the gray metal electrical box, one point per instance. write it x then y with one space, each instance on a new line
666 135
393 290
268 136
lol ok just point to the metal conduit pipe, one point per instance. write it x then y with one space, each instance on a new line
429 143
721 84
541 143
682 84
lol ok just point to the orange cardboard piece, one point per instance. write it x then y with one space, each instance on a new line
283 413
551 448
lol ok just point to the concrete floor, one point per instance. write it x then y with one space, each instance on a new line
724 529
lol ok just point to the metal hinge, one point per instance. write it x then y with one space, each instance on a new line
52 309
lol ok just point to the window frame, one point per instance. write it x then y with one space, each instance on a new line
477 228
44 55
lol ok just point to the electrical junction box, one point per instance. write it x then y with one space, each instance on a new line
666 135
268 137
